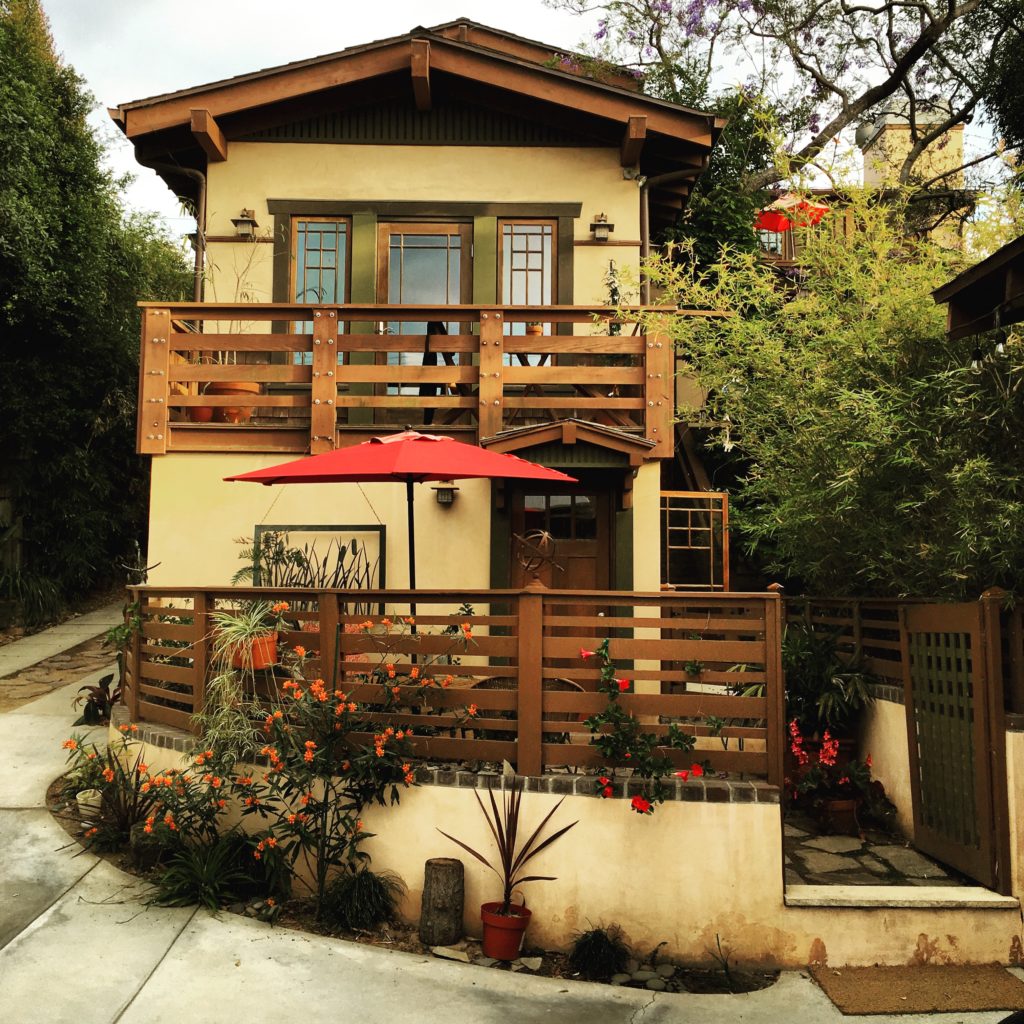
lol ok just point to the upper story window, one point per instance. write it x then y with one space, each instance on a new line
320 248
527 263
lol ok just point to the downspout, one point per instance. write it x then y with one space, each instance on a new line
200 179
645 218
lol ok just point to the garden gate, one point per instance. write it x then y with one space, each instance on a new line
953 693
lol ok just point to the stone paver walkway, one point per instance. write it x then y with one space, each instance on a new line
30 650
872 859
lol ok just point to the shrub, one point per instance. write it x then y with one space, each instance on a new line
210 874
363 899
599 953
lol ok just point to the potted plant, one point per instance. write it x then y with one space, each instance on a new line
534 327
504 922
248 638
834 789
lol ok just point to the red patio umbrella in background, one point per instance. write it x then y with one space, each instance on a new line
790 210
409 457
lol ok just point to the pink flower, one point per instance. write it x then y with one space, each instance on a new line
584 653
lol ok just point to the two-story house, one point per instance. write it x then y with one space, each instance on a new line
484 183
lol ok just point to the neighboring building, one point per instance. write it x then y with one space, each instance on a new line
457 166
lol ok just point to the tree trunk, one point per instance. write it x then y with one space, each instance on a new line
441 914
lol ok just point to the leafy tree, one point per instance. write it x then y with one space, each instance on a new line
72 266
824 65
1005 84
867 457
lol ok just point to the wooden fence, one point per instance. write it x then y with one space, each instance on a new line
323 376
709 662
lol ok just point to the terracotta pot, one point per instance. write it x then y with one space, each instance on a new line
840 816
263 653
503 933
200 413
535 329
233 413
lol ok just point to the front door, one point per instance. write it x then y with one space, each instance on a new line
579 524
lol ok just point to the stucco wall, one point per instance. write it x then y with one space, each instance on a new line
195 519
689 872
256 172
884 737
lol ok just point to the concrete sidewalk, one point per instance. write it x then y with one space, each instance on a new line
79 946
20 654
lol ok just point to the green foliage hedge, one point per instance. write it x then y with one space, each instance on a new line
73 265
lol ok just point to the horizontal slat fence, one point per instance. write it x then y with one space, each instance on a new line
709 662
320 376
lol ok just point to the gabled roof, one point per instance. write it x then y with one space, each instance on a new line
630 449
458 62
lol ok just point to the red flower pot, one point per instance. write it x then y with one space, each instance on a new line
503 933
262 655
200 413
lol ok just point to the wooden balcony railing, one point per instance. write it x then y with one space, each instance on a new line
693 659
326 376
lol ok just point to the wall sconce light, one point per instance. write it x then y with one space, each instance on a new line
601 229
245 225
445 492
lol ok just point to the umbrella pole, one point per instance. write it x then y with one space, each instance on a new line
412 546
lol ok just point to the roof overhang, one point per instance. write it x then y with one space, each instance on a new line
987 295
458 61
625 449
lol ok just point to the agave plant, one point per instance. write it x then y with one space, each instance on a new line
504 825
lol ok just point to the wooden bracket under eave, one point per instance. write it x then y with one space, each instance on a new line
207 133
420 66
633 140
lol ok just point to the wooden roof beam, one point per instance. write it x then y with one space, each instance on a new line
207 133
633 140
420 65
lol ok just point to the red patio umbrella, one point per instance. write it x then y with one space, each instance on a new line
788 210
411 457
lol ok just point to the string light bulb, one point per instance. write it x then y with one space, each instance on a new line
977 358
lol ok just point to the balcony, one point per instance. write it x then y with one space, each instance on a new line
316 377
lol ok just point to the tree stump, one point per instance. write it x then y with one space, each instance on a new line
443 893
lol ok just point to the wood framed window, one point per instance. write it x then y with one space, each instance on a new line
320 259
422 264
528 269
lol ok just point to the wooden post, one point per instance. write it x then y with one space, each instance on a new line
530 707
327 604
991 603
491 390
775 689
443 898
154 363
324 417
201 607
134 655
659 393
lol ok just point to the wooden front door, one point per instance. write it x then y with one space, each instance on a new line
580 524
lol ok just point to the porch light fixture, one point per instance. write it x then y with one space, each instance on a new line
445 492
245 225
601 229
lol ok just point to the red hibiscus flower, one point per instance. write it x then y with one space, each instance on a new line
604 780
606 792
696 770
623 685
640 805
584 653
684 775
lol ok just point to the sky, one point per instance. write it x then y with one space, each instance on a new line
129 49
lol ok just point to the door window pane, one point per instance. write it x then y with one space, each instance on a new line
321 272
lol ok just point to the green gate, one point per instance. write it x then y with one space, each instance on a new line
953 696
